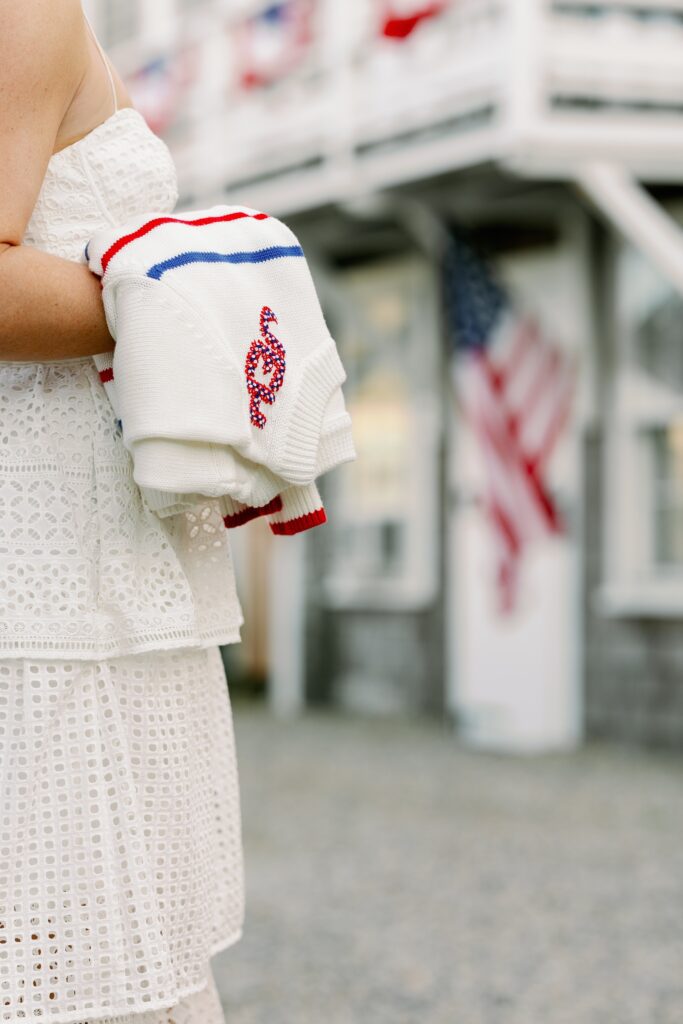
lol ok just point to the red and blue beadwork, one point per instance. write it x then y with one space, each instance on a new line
271 352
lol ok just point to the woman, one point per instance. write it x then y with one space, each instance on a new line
121 866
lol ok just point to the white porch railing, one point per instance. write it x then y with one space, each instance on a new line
539 85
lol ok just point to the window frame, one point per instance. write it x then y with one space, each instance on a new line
417 585
634 583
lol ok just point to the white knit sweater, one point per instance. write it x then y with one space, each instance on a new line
224 377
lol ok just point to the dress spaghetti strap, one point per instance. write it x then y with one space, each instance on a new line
104 61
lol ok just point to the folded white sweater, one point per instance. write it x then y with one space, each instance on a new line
224 376
291 508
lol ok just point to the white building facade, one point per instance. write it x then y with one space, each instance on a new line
552 132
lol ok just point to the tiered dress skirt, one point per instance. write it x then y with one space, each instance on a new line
121 862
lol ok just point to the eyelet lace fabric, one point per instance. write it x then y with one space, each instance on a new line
201 1008
86 569
204 1007
121 868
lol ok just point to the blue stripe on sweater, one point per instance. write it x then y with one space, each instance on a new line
259 256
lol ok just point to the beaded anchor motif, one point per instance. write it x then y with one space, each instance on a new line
272 352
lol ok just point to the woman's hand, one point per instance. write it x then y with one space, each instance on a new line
50 308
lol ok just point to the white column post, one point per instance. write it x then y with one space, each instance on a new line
339 38
287 621
523 102
636 216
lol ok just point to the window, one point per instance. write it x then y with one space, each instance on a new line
667 495
644 451
383 524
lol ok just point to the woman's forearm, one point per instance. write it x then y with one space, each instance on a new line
50 308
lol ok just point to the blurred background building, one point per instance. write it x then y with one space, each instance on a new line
448 167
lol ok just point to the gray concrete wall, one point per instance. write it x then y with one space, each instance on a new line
633 666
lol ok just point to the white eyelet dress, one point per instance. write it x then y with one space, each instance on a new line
121 867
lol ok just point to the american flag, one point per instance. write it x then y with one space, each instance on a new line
157 88
515 389
270 43
400 18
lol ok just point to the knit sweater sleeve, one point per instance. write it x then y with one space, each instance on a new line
293 510
224 377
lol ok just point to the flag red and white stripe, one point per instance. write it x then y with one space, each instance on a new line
516 393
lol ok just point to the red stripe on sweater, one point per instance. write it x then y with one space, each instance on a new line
152 224
245 515
106 375
305 522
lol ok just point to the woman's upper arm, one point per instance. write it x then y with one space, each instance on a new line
41 47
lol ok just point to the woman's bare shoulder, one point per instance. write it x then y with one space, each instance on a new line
43 57
41 46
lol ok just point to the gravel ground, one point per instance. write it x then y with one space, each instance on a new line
393 878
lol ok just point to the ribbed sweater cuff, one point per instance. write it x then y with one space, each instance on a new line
236 513
294 453
186 467
270 494
302 509
292 511
336 445
103 361
169 503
